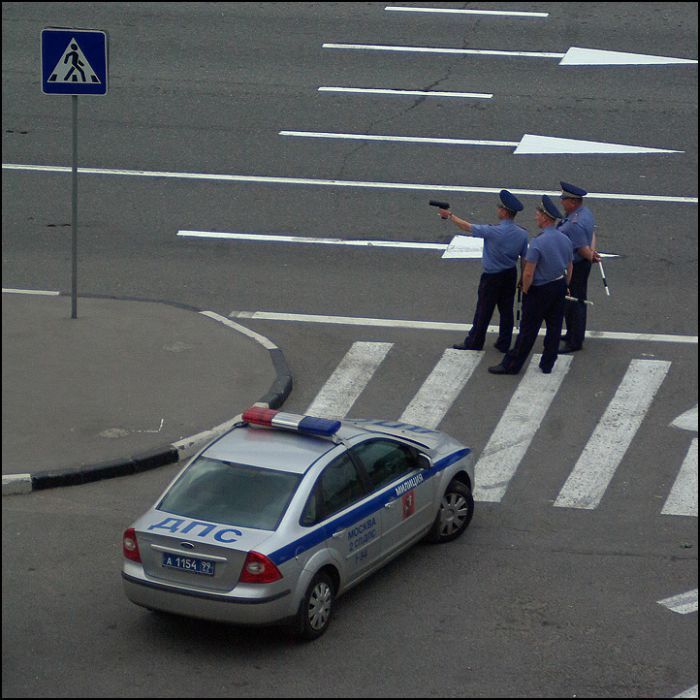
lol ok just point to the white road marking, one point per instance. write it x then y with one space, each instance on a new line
407 93
267 238
574 56
577 56
682 604
397 139
530 144
690 693
443 326
516 429
265 342
35 292
441 388
265 180
683 499
613 435
462 247
497 13
349 379
687 420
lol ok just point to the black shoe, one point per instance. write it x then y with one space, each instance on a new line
500 369
546 371
464 346
565 349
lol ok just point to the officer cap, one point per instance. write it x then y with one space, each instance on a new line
569 191
549 208
510 201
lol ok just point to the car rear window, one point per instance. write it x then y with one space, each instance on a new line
232 494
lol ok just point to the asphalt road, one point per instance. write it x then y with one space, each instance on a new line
534 601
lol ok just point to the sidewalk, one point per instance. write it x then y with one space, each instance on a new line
124 387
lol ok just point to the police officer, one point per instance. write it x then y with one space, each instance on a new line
547 272
579 226
504 243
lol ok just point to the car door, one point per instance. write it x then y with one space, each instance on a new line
341 501
394 471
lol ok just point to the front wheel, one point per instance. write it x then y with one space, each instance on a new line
316 608
455 514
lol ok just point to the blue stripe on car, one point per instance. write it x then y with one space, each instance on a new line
363 511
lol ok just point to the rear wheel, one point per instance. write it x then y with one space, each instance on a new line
456 511
317 607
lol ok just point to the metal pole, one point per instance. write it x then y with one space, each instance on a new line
74 228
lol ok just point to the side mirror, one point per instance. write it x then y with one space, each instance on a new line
424 462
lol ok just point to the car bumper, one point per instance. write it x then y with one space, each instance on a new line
246 610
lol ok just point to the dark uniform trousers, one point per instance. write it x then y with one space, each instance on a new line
542 303
575 311
495 289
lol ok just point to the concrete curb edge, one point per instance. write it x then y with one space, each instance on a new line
15 484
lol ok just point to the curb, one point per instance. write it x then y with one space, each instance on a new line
15 484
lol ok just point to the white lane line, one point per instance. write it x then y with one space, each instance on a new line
442 326
400 139
265 342
267 238
515 431
405 93
439 391
349 379
683 499
435 49
690 693
682 604
613 435
495 13
265 180
35 292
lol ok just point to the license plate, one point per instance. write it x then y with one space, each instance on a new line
194 566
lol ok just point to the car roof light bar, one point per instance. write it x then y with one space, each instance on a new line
308 425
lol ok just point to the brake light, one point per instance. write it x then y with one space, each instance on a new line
259 569
310 425
130 545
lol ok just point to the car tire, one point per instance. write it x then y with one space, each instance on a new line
316 608
455 514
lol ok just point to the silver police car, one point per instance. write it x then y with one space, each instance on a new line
281 515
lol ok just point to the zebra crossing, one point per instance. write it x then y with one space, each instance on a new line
525 412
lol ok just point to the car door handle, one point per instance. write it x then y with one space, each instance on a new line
339 535
390 504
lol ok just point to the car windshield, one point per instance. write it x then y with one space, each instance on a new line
230 493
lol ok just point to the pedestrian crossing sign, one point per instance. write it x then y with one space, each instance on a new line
73 61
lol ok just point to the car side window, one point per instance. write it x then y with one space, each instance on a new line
385 461
338 487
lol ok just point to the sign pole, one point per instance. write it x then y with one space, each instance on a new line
74 287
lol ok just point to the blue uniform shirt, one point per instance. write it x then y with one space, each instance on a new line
552 252
578 226
504 243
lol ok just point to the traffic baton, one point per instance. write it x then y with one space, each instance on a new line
602 274
580 301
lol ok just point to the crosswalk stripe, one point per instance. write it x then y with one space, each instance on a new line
683 499
516 429
613 435
349 379
441 388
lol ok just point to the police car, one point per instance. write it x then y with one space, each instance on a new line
284 513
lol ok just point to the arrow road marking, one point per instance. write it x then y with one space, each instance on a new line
530 144
575 56
682 604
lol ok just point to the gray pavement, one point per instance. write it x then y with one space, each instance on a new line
126 386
